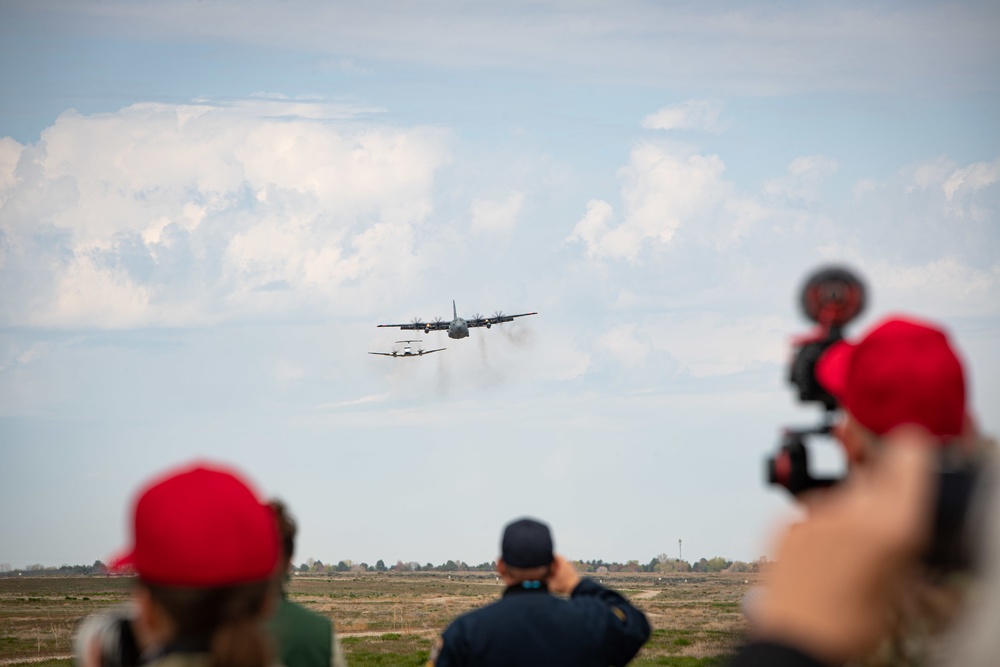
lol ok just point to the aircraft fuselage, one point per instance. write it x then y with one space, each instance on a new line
458 329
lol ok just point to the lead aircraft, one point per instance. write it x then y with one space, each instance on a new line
458 327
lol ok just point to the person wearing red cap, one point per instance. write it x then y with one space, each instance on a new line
204 551
847 576
903 371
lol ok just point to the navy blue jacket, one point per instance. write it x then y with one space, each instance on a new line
529 626
769 654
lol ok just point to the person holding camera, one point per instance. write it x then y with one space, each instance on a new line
850 582
531 626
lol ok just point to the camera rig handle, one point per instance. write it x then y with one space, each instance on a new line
790 466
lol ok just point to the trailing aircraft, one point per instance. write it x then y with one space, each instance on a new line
458 327
407 351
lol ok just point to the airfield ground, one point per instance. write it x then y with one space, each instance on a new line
391 619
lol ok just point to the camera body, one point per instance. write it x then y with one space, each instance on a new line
832 297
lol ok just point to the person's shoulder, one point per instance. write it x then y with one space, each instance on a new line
480 615
289 612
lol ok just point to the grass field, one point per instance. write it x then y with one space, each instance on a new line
392 618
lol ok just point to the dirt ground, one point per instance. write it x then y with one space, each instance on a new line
391 618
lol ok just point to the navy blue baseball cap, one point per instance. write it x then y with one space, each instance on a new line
526 543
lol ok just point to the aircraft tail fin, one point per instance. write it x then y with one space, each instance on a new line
454 309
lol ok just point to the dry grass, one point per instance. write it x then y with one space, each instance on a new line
391 619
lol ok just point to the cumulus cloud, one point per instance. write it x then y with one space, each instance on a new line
934 219
689 115
712 270
944 287
178 214
491 216
964 187
10 154
660 190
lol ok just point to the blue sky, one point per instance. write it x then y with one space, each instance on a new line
205 209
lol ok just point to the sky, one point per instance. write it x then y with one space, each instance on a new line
206 208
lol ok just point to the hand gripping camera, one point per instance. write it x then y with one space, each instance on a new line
832 297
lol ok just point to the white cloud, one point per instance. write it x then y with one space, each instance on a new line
689 115
593 227
161 213
624 345
943 287
89 296
972 178
491 216
10 154
804 178
661 190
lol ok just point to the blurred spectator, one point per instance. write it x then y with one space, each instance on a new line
304 638
849 582
205 551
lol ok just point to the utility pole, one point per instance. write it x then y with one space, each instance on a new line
680 553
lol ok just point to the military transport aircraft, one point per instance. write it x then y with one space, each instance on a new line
407 351
458 327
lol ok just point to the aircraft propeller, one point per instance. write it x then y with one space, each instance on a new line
497 315
477 316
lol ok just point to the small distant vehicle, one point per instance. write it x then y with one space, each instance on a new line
458 327
407 350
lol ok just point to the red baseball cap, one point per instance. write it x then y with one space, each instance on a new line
902 371
201 526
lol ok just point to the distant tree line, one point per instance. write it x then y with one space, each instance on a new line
37 570
661 563
317 566
665 564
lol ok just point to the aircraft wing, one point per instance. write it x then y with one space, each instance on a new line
436 325
423 352
498 318
385 354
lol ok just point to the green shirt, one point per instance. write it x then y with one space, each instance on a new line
303 638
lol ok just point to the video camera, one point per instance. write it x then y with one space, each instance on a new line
832 297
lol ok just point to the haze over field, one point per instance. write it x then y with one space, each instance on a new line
205 209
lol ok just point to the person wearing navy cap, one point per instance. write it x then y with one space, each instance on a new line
530 625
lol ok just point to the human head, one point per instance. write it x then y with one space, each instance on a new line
201 526
526 551
287 530
902 371
205 550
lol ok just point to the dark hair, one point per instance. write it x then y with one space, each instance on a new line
224 621
286 528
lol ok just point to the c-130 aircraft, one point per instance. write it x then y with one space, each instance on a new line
458 327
